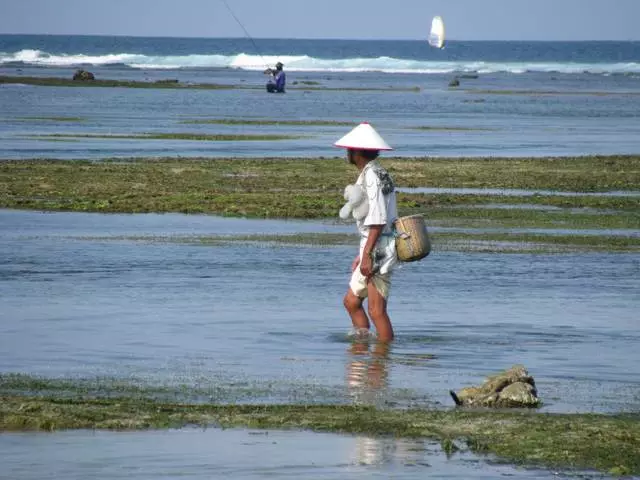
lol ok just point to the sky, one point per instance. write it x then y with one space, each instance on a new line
346 19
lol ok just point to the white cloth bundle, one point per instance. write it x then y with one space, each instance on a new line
357 203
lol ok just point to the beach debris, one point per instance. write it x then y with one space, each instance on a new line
512 388
83 76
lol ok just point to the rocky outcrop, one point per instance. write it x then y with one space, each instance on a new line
83 76
511 388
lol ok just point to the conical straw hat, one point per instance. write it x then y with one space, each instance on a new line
363 137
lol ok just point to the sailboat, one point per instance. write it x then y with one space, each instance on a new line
436 37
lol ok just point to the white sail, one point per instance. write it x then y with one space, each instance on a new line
436 37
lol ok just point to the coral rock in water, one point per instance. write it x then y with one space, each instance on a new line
83 75
512 388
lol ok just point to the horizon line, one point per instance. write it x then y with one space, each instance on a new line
313 38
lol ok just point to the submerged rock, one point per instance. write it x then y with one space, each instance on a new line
83 75
511 388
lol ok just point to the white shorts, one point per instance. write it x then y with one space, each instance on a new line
358 283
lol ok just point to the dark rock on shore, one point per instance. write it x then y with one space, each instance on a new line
83 76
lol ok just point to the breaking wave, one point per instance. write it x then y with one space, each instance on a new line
304 63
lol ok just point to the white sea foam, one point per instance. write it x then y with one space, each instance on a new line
304 63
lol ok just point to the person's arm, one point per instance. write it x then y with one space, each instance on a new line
355 263
366 262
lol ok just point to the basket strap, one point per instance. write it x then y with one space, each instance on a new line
404 235
404 230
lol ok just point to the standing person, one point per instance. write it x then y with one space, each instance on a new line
278 79
372 267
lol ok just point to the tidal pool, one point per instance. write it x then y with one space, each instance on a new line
240 454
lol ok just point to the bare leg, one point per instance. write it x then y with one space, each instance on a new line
378 313
353 304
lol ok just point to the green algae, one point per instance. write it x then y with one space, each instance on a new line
210 388
451 129
470 217
390 89
497 242
511 242
547 92
452 200
239 121
573 174
64 82
177 85
170 136
58 140
52 119
608 443
295 239
312 188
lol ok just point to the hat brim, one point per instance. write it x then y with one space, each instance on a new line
371 149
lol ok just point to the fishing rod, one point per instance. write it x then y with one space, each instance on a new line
246 33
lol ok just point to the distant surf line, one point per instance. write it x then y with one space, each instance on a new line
306 63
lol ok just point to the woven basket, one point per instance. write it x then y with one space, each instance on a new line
412 240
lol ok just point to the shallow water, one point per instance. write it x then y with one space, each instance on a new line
514 192
466 124
240 454
254 323
264 323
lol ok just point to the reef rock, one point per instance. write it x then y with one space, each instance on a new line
511 388
83 76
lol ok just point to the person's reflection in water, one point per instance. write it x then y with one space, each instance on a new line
367 372
367 384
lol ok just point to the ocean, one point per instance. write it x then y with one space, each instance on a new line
299 55
514 98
